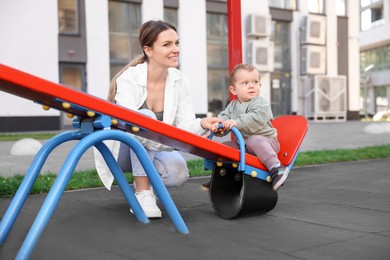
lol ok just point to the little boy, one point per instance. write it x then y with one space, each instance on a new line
252 116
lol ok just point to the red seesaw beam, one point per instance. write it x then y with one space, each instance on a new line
27 86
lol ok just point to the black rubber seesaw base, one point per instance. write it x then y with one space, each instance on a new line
233 193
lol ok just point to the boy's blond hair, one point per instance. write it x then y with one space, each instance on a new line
242 66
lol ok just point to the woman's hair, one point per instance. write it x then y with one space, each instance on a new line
247 67
148 35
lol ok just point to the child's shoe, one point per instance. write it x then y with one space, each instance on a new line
205 186
279 175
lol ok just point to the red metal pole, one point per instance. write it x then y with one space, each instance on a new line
234 37
234 34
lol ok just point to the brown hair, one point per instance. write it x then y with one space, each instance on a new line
247 67
148 35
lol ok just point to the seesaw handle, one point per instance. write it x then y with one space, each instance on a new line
241 144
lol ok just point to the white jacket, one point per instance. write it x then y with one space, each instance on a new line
132 93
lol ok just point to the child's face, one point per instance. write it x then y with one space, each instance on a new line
247 85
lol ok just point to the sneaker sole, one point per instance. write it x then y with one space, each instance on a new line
151 214
282 180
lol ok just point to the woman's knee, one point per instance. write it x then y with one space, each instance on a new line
172 167
124 161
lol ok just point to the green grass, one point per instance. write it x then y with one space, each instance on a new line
16 137
89 179
342 155
79 180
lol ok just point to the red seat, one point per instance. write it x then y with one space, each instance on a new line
291 131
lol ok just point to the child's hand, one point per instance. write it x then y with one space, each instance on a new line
215 128
209 122
228 124
219 130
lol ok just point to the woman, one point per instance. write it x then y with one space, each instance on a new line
153 85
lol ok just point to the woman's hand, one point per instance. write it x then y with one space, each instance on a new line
210 123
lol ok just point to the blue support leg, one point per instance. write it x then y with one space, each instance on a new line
154 178
161 190
122 182
66 171
28 181
51 201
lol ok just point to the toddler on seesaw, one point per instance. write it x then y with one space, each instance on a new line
251 114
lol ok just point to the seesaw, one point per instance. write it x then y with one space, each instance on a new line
240 188
229 195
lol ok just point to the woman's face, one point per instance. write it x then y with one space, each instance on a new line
165 50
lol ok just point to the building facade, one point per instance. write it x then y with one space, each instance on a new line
375 56
307 52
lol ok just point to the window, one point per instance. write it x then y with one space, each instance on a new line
217 62
281 37
379 56
124 24
376 14
371 14
280 78
283 4
170 16
72 75
68 17
381 102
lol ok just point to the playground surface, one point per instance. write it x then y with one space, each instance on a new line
335 211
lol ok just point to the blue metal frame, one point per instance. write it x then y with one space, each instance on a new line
87 140
28 181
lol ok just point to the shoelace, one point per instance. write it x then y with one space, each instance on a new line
145 193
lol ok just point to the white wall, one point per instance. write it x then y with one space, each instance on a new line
295 31
353 55
193 50
29 42
375 37
98 64
331 39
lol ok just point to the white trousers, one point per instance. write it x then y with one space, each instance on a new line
171 165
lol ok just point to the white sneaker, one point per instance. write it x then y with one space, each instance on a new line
147 200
